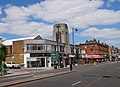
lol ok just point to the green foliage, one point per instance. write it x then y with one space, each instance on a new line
3 52
77 54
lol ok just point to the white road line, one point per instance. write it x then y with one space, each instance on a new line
76 83
13 77
36 76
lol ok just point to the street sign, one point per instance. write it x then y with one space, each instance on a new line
55 55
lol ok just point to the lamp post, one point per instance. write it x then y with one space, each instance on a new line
73 36
57 39
0 56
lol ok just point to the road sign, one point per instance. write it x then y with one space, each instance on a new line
55 55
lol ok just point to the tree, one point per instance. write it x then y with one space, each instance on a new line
3 52
3 55
77 54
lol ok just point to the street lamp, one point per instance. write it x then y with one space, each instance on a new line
1 56
73 29
57 39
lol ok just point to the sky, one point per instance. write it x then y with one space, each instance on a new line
94 19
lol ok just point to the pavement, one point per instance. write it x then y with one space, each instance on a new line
11 83
24 71
28 71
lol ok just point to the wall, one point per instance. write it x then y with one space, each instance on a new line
18 51
95 48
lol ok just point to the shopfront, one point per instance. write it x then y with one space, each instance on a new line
36 61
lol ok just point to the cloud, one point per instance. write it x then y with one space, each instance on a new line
53 10
15 13
21 20
98 17
3 27
60 10
113 43
24 28
101 33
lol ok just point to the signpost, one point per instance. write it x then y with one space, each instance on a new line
55 59
55 55
1 60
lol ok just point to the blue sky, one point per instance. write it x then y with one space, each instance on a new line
98 19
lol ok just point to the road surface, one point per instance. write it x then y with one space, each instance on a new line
102 75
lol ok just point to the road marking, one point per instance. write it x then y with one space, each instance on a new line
76 83
36 76
13 77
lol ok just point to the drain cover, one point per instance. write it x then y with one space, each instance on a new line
106 76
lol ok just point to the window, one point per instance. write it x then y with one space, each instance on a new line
8 62
41 47
35 47
91 46
28 47
10 49
61 48
54 48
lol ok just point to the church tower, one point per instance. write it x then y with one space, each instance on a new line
61 34
62 29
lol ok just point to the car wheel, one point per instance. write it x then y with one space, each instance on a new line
13 67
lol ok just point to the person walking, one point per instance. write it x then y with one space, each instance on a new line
70 67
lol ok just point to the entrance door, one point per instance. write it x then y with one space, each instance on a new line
42 62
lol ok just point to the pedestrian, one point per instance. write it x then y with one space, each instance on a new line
70 67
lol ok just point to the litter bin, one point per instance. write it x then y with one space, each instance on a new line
55 66
61 65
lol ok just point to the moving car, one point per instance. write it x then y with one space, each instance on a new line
12 65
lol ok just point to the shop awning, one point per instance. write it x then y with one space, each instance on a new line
92 56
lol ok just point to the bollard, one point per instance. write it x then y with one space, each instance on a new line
94 63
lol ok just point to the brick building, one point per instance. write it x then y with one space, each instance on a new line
113 53
94 49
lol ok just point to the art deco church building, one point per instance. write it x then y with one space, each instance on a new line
61 34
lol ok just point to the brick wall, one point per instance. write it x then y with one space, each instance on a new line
18 51
94 48
9 50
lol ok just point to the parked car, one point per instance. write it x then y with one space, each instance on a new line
12 65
